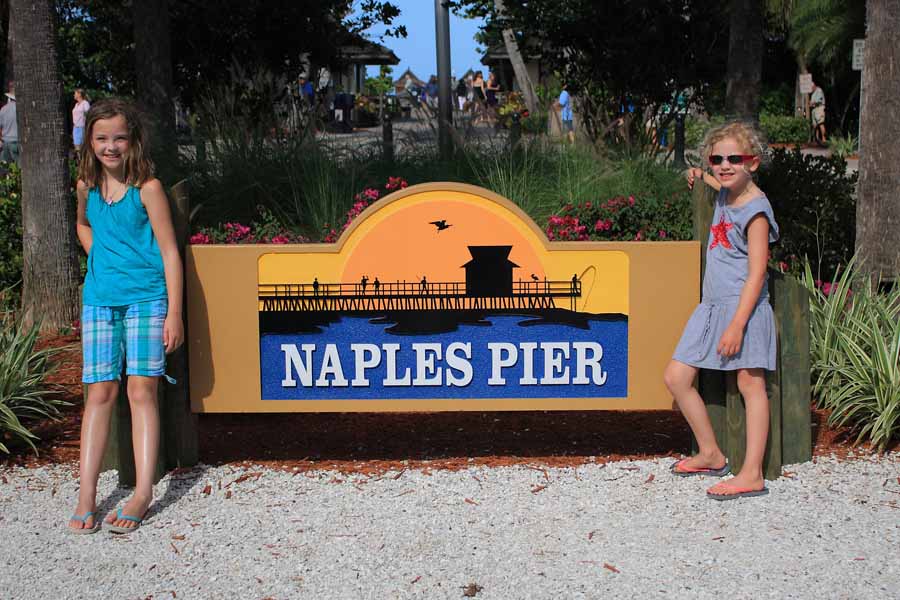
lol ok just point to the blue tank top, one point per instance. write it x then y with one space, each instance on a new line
124 265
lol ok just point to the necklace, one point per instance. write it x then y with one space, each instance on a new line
109 197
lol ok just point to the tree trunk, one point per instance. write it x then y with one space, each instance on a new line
50 276
518 64
155 90
745 55
5 40
877 205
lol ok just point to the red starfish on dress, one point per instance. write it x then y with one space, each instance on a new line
720 234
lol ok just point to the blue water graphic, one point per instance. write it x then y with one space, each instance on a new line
602 347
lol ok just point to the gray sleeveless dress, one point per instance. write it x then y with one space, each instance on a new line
727 265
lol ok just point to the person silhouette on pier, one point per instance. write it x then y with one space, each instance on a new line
363 282
424 285
574 283
315 286
377 285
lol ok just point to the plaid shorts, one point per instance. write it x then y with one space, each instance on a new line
111 334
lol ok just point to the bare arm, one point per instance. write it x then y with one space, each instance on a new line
153 197
758 255
82 226
694 172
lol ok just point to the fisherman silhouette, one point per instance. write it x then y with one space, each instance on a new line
441 225
363 282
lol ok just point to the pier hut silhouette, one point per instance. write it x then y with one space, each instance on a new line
490 272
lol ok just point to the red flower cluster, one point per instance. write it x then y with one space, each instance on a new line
361 201
566 227
395 183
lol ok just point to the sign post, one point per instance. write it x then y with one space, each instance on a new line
858 60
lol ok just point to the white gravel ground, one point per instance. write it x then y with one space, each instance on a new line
624 530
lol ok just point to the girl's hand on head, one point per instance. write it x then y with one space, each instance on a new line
173 333
731 341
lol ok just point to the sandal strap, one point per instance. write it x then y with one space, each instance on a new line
84 517
119 515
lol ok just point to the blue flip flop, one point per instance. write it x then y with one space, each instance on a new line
84 530
124 530
682 471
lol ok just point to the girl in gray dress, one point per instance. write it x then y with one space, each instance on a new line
733 328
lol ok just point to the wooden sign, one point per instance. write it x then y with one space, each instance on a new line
439 297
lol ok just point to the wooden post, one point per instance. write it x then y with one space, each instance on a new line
387 132
791 302
177 423
788 387
178 426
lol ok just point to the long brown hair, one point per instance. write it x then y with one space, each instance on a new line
138 166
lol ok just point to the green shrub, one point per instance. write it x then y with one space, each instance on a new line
25 396
855 354
843 146
814 205
784 129
638 200
777 101
10 228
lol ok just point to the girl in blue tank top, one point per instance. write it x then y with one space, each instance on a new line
132 311
733 329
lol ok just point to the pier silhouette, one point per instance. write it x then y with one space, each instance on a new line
413 296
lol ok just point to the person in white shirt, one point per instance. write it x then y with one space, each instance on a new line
9 129
82 106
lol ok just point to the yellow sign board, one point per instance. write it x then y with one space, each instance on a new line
440 296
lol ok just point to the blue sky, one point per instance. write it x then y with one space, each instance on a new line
418 50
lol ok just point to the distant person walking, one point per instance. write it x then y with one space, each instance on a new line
479 96
461 93
82 106
817 108
491 99
565 114
9 128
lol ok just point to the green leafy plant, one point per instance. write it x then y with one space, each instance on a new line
25 395
784 129
843 146
855 353
10 229
813 199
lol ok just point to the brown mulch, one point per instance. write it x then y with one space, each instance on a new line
379 442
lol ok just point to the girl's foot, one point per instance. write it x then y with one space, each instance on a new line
741 481
82 509
135 507
703 461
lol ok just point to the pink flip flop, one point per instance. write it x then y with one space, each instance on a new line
679 469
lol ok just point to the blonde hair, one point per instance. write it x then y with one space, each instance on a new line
751 139
138 166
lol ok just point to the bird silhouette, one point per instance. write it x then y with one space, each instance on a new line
534 277
441 225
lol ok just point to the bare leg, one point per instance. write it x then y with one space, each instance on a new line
145 436
679 378
752 385
98 408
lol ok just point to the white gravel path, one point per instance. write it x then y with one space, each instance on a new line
624 530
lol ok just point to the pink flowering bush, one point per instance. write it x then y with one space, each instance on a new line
624 218
361 201
266 230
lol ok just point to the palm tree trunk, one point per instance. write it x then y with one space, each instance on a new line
877 206
155 90
518 64
50 276
745 54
